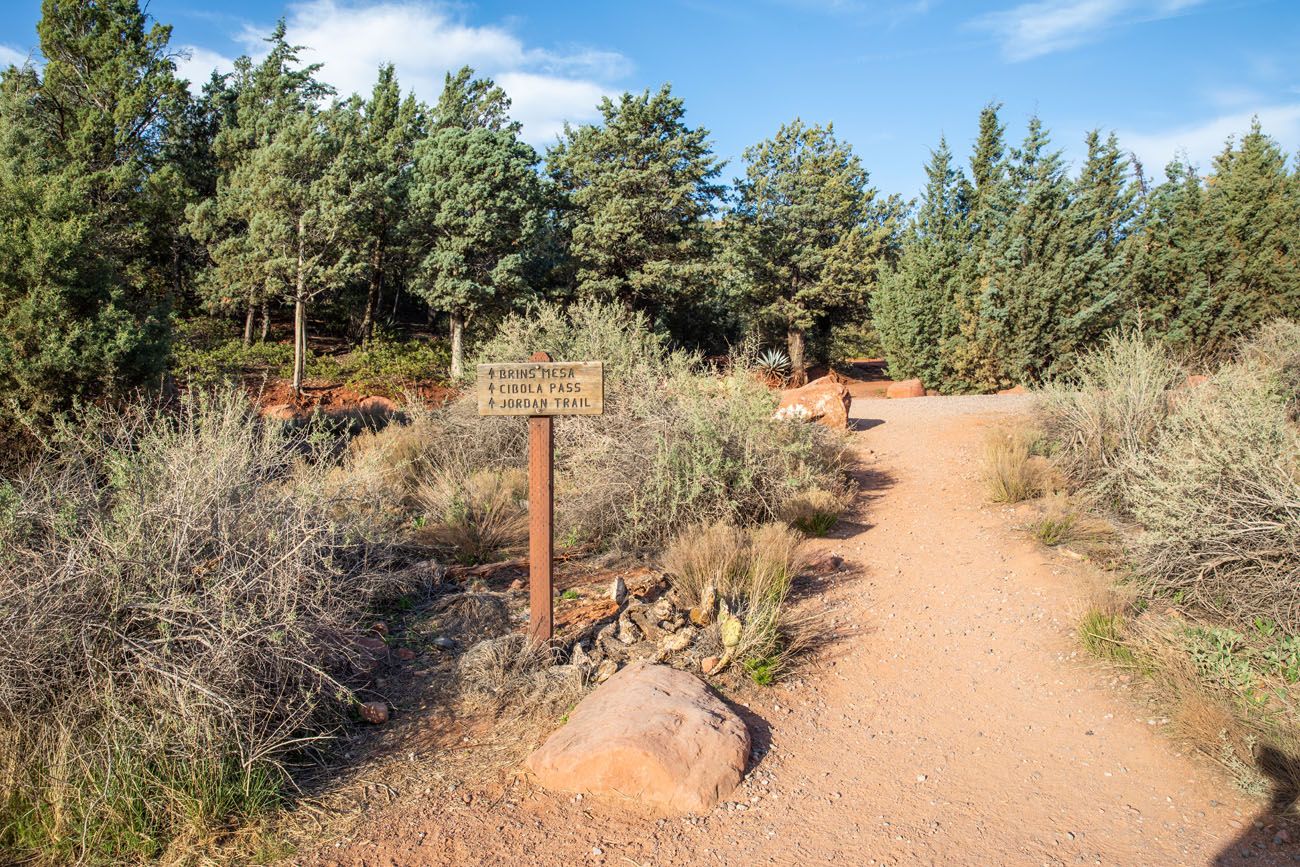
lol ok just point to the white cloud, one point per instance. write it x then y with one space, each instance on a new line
1199 143
12 56
424 41
1034 29
197 64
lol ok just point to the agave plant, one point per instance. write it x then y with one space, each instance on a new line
773 364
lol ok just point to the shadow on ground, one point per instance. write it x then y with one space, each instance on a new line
1272 837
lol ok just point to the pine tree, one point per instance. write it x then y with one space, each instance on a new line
85 254
971 350
637 188
915 308
1169 288
809 235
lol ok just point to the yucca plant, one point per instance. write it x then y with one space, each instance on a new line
773 365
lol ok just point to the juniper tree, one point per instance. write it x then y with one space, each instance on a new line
85 252
480 204
636 190
915 308
809 233
267 98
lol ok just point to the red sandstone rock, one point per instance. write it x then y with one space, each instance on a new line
906 388
823 400
652 734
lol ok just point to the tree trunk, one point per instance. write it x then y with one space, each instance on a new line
795 341
299 322
372 297
457 341
248 323
266 320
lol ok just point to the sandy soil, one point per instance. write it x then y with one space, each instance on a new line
949 716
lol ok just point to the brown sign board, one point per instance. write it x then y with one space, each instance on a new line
541 388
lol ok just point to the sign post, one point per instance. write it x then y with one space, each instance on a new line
541 389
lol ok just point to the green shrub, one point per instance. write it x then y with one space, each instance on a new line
392 366
228 362
177 603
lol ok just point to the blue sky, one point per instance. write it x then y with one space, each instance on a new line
1166 75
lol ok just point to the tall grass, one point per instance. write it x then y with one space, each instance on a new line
177 607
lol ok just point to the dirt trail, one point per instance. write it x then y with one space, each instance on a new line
949 719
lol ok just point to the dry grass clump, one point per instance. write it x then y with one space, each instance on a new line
1063 523
177 602
1101 422
815 512
479 517
746 576
1011 473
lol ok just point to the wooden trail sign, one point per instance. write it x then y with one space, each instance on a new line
541 389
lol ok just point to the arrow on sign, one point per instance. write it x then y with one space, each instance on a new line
491 387
492 372
491 403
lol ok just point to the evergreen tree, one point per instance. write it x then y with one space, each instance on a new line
971 349
85 255
915 308
808 232
479 199
389 130
1025 262
1252 214
471 103
637 189
1168 282
267 98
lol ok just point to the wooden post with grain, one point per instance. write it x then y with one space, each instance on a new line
541 524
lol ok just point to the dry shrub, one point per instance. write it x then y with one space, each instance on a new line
1218 498
177 602
751 572
676 445
1011 473
1101 422
479 517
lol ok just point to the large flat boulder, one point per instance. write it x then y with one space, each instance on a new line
650 733
825 401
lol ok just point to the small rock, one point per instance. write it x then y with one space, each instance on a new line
380 628
579 657
372 645
374 712
596 850
606 670
618 590
627 631
676 642
516 585
1283 836
709 664
442 642
920 778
